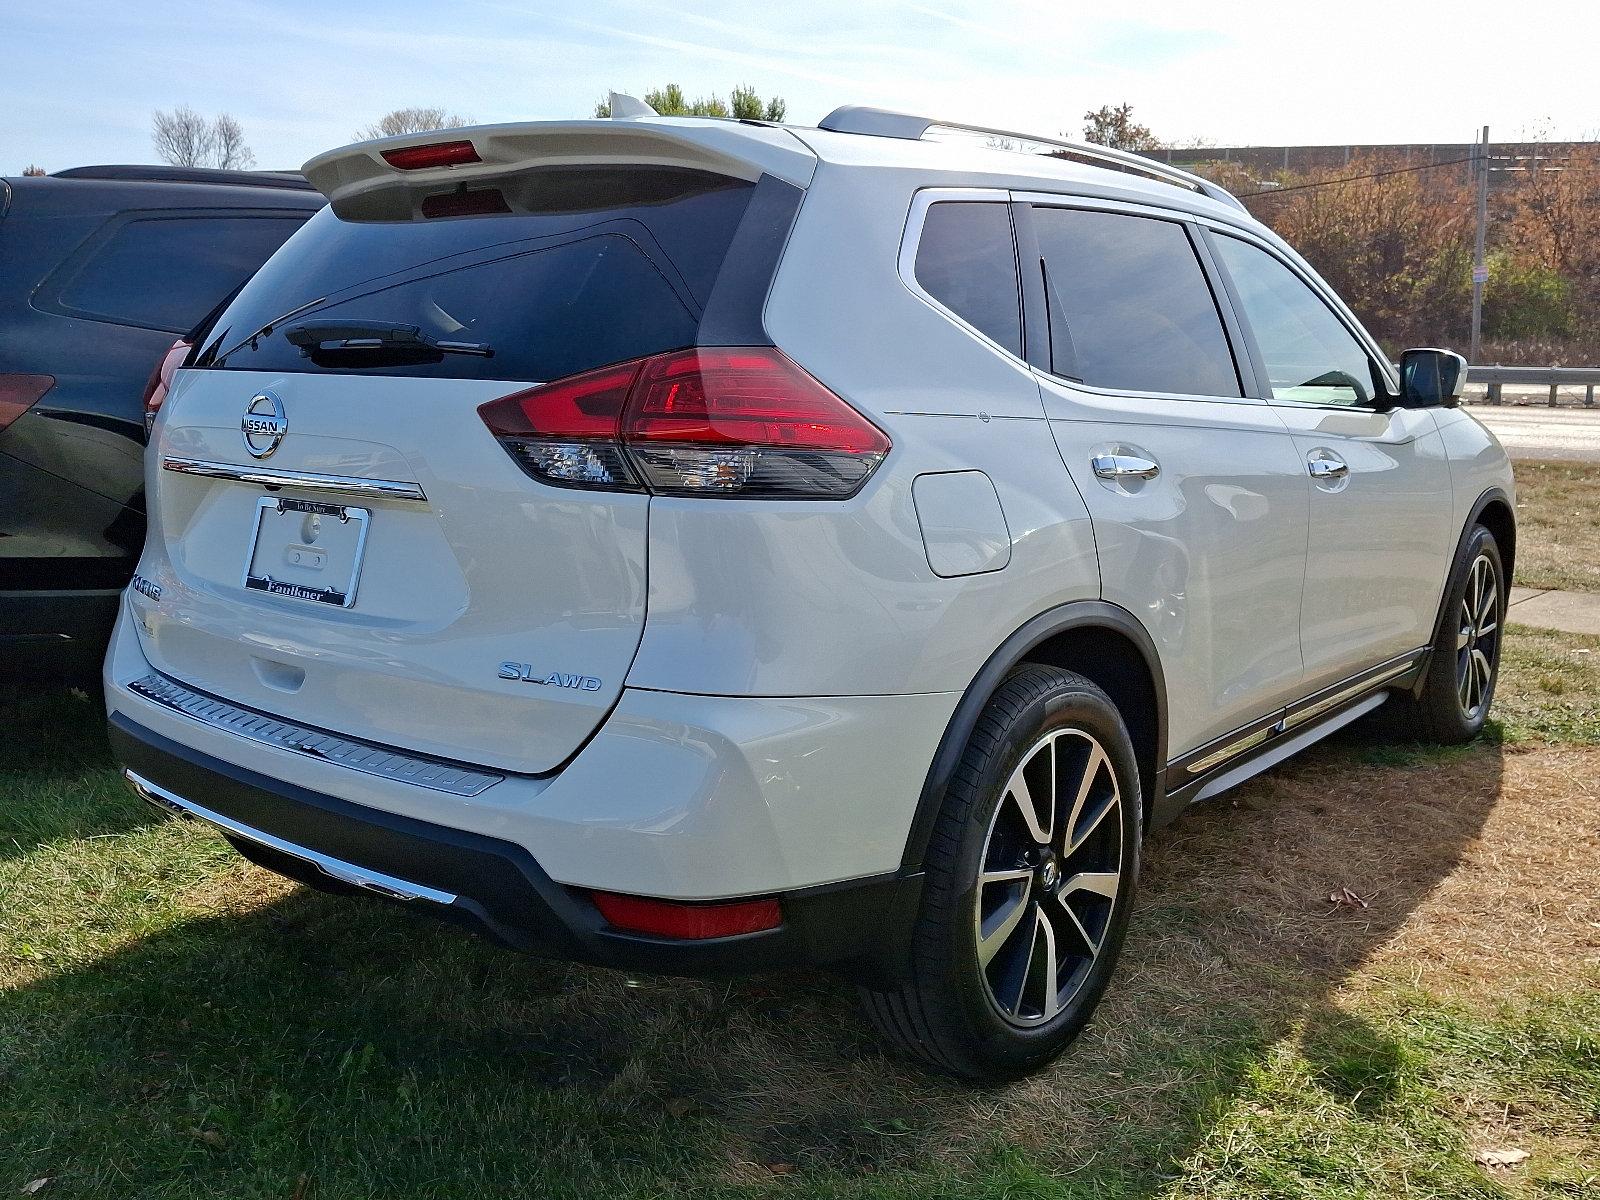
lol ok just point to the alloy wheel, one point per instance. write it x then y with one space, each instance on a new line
1049 877
1478 637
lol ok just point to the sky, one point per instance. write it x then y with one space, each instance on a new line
82 77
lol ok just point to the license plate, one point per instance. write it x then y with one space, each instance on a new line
306 550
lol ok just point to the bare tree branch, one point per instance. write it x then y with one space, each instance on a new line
412 120
184 138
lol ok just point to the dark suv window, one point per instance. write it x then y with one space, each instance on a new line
1135 304
967 262
610 265
167 272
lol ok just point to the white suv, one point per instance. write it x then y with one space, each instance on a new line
700 545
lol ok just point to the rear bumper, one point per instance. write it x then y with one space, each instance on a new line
676 797
493 886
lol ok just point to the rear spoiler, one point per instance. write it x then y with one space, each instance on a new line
360 182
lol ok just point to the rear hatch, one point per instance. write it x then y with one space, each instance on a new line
339 539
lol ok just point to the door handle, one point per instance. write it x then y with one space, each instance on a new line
1327 468
1124 466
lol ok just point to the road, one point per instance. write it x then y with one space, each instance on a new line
1539 432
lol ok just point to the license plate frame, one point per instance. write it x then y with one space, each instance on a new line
342 592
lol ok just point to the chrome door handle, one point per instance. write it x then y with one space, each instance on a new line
1327 468
1124 466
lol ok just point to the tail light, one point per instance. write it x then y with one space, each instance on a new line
743 422
676 919
160 381
19 393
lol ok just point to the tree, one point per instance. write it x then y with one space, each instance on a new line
34 170
1114 126
184 138
744 103
412 120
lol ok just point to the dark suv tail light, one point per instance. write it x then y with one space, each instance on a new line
160 381
19 393
743 422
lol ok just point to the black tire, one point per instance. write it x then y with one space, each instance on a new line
1447 708
958 1014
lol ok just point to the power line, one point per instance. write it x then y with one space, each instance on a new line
1300 187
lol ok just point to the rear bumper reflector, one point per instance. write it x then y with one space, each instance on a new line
680 919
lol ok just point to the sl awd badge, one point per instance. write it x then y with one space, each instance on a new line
526 673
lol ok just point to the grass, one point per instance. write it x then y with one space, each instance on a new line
1558 518
177 1023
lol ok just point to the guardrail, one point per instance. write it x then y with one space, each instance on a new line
1554 378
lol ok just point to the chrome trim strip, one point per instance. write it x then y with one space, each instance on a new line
1247 737
378 761
346 485
365 878
1300 716
1239 746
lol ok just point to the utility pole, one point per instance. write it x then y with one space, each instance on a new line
1480 272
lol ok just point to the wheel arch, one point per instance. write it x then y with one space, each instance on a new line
1494 511
1098 640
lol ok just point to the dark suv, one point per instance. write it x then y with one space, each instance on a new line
101 268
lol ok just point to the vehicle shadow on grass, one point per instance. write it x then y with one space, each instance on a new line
289 1040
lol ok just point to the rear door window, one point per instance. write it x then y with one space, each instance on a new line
168 272
595 266
1138 312
966 260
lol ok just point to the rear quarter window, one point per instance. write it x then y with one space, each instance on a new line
166 272
967 261
595 266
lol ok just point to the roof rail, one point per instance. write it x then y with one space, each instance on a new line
142 173
883 122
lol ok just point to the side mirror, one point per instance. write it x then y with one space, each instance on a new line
1432 378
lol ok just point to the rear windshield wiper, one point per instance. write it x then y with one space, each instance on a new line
375 337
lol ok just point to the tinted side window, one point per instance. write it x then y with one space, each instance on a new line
966 261
169 272
1311 357
1136 304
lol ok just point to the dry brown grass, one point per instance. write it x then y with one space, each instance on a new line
1558 519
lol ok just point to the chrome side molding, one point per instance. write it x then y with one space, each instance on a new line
365 878
344 485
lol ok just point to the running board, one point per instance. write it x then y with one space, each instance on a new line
1231 759
1278 751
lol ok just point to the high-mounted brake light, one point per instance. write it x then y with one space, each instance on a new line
434 154
676 919
160 381
19 393
743 422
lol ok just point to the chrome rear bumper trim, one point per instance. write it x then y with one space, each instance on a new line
373 760
334 868
347 485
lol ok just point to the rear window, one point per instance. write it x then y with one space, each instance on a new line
613 263
168 272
